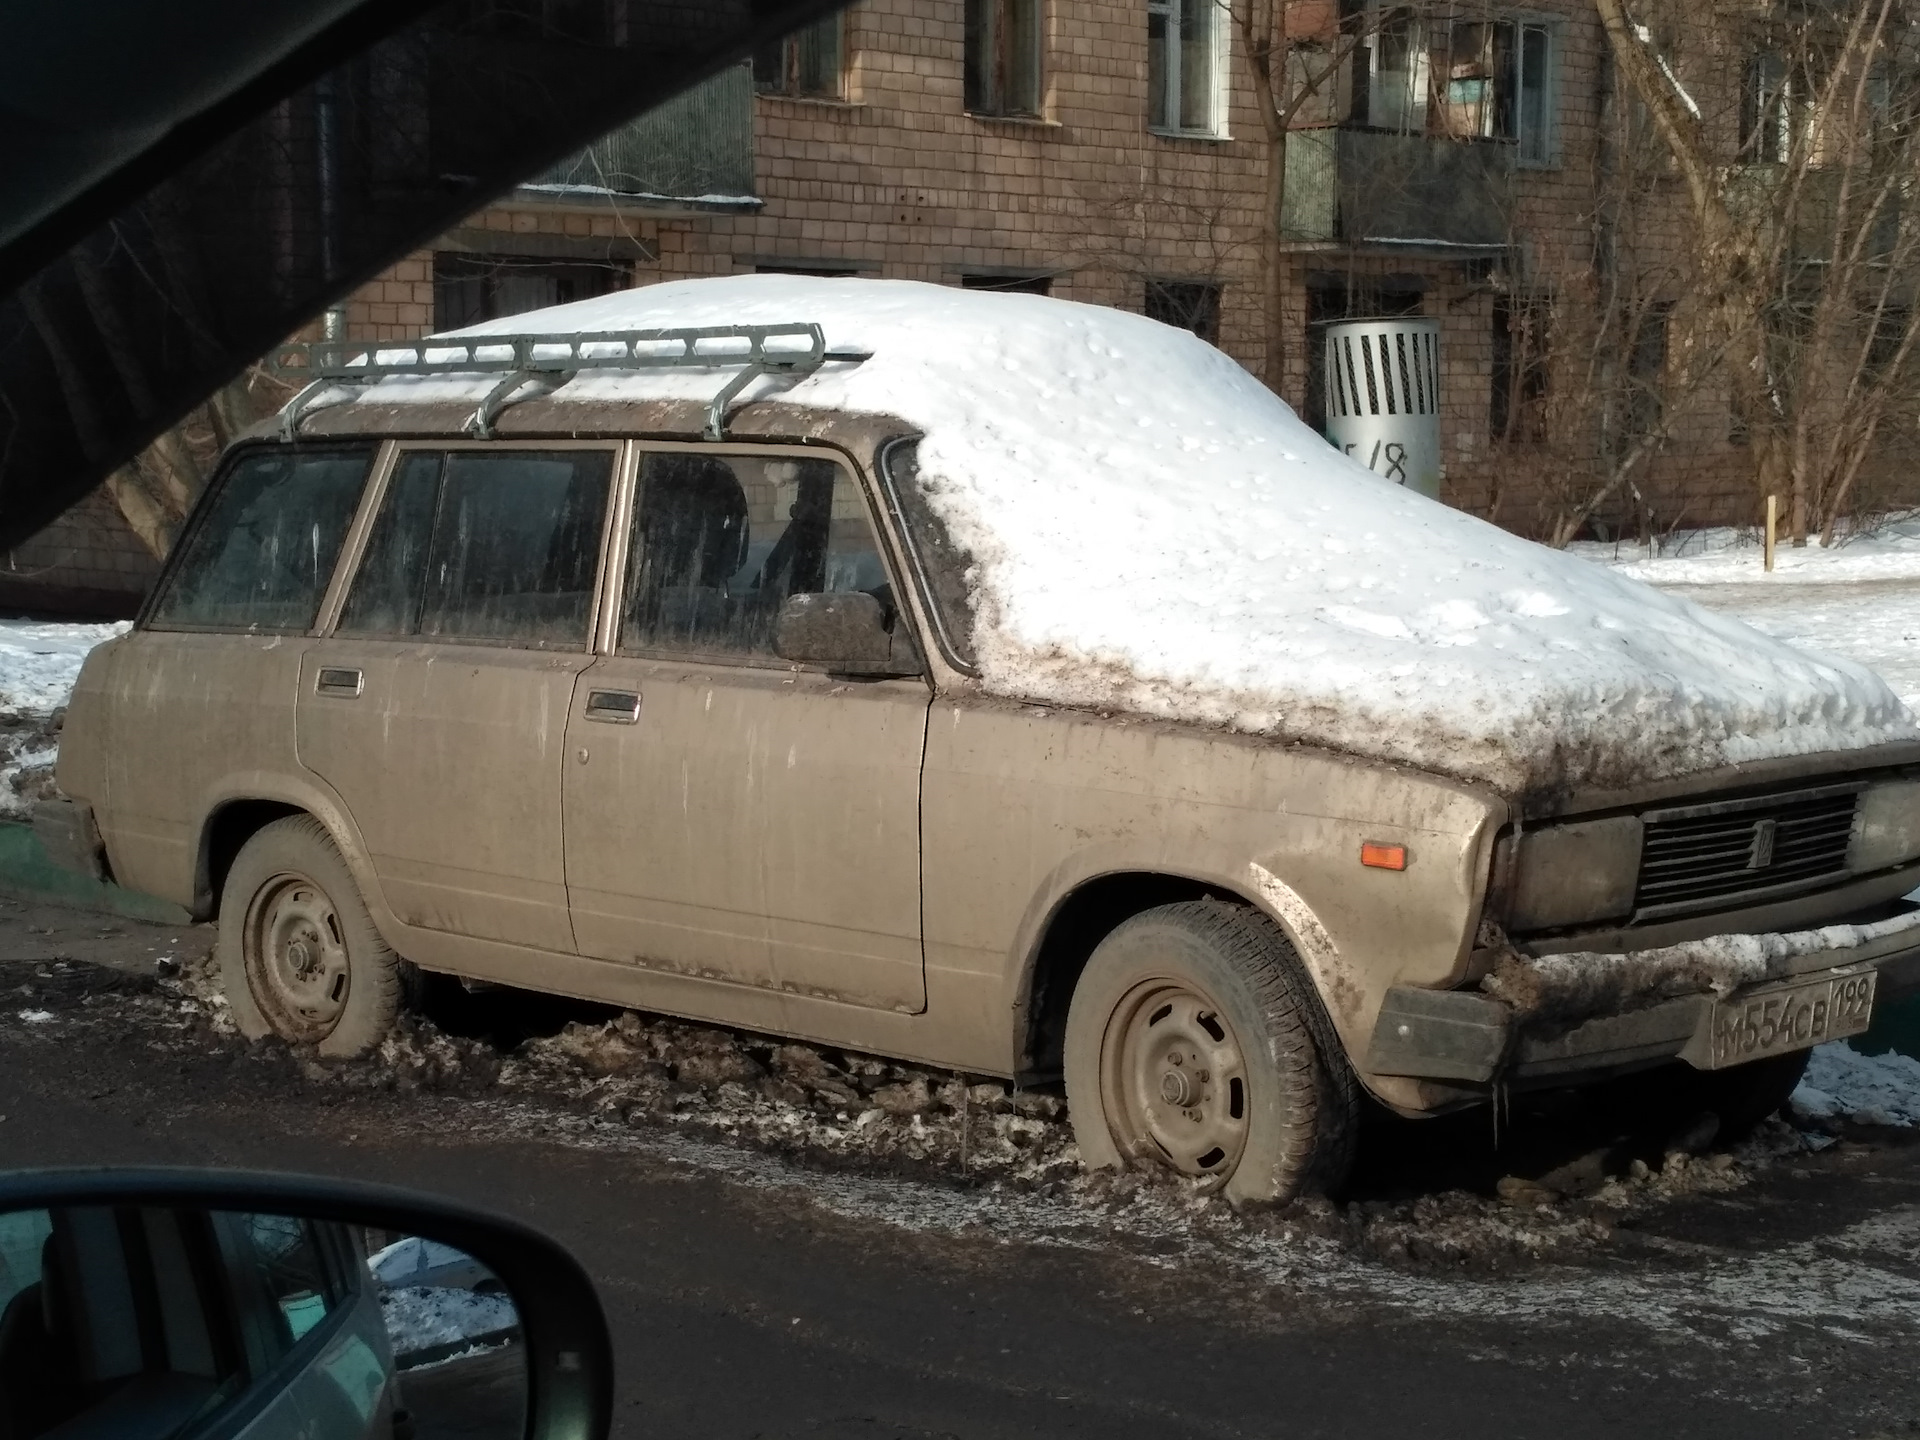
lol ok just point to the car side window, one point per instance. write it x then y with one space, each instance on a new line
260 555
500 546
721 541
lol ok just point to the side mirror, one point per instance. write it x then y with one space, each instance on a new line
846 631
142 1302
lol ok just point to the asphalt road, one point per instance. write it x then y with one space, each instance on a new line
759 1296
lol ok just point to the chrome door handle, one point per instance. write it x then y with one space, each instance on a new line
344 682
617 707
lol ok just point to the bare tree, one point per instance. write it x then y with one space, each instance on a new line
1801 184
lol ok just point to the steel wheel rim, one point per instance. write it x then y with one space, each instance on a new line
1173 1079
296 957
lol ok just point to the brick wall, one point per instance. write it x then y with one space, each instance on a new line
897 180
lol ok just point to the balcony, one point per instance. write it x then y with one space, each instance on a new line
1374 189
693 153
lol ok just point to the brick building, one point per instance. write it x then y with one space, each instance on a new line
1112 151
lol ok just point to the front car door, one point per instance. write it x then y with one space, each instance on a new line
437 708
728 815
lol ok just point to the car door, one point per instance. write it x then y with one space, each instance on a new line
437 707
729 815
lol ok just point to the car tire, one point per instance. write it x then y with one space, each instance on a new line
299 955
1744 1095
1195 1043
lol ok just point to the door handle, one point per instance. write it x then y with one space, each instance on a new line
347 683
617 707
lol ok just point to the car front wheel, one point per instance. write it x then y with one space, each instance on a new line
299 955
1195 1044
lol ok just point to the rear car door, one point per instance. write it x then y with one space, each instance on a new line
437 708
729 815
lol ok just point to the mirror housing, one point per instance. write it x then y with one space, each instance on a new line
847 633
568 1356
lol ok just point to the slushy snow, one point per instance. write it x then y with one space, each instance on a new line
421 1317
40 660
1153 531
1874 1089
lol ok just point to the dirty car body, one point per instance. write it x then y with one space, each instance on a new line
728 731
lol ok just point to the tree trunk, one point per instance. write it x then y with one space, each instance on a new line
1275 267
143 513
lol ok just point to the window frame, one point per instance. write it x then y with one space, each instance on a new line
1219 63
626 506
995 105
1552 28
203 508
353 550
1423 98
788 47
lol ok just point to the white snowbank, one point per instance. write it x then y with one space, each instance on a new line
1875 1089
40 660
1154 531
1724 556
419 1316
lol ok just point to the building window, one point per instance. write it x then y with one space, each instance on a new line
819 271
1495 81
1516 412
1015 283
1187 305
470 288
1184 42
1003 57
1646 372
1766 115
808 63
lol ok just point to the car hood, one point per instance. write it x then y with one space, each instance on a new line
1152 530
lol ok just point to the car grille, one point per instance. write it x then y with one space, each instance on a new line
1709 857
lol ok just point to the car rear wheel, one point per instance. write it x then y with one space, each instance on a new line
1195 1044
299 955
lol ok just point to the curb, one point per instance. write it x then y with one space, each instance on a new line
27 874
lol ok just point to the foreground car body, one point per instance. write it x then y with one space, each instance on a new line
808 727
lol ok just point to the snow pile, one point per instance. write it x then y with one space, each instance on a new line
1724 556
1872 1089
40 660
1153 531
423 1317
1580 983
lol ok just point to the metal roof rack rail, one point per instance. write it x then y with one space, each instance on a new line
554 359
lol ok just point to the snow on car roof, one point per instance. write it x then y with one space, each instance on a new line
1155 532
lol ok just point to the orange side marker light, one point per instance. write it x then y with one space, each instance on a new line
1383 857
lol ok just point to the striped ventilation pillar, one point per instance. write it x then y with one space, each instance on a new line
1383 398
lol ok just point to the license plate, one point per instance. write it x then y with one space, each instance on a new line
1792 1015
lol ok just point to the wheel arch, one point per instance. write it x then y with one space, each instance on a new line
1078 920
248 804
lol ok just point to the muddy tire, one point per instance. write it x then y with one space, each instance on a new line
299 955
1195 1043
1744 1095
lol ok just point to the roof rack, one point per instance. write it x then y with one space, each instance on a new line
554 359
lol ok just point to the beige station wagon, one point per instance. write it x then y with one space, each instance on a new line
624 661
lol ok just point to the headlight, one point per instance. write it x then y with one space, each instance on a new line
1575 874
1886 827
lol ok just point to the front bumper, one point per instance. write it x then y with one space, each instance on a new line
1558 1018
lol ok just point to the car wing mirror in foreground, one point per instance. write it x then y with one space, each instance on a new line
153 1304
846 632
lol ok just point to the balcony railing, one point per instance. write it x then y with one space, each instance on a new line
696 147
1368 187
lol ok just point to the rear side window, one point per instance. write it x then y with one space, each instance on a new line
720 542
498 546
261 553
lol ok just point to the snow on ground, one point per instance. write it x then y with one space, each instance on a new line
1725 556
40 660
1152 530
421 1317
1872 1089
